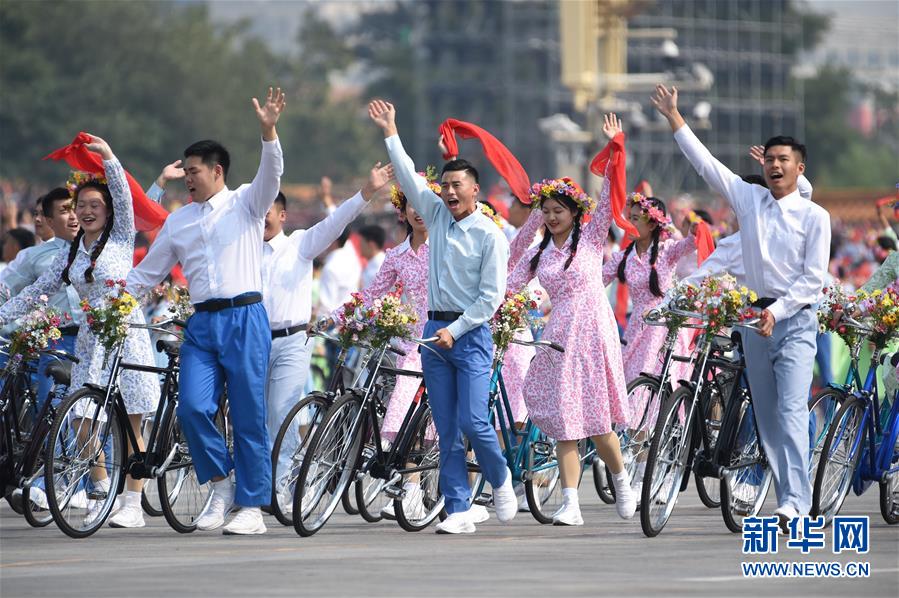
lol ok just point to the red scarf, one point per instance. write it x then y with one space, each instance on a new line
148 215
705 244
609 163
506 164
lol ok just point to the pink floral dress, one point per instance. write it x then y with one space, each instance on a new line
580 392
402 264
643 351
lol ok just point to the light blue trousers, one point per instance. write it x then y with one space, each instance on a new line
233 346
288 368
780 375
458 393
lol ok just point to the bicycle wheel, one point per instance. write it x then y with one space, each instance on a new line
747 476
85 441
424 501
889 497
181 495
290 449
543 487
666 464
149 499
36 511
822 409
328 468
839 457
712 402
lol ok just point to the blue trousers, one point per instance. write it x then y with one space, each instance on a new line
458 390
233 346
780 371
822 357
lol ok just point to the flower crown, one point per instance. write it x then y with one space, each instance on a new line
564 186
430 175
78 179
650 212
490 213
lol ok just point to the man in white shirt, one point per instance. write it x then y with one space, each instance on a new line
287 296
340 275
785 241
372 248
218 240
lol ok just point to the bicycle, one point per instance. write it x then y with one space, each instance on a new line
860 447
297 430
90 432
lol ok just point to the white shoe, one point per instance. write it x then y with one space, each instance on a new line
37 497
456 523
413 505
745 493
220 504
128 516
785 514
78 500
478 514
285 503
94 508
247 522
522 497
388 512
569 514
625 498
664 492
504 500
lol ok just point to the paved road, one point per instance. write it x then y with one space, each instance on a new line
695 556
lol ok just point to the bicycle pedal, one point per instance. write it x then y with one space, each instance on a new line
96 495
395 492
483 499
544 449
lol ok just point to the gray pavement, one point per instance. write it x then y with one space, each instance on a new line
695 555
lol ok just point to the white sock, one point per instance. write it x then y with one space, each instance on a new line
641 469
222 485
102 485
621 479
132 499
569 495
407 486
256 510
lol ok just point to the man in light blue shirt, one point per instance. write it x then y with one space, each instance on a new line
59 216
466 285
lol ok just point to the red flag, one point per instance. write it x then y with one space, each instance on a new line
611 162
705 244
147 213
499 155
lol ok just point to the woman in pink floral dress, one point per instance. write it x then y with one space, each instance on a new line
581 392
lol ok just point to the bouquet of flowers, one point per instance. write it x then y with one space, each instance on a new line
376 323
881 309
684 297
837 300
109 321
352 325
38 329
178 298
724 303
512 315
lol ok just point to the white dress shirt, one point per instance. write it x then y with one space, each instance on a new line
372 267
340 277
785 242
218 241
287 265
727 258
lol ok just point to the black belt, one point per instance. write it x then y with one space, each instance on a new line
288 331
220 304
69 331
765 303
444 316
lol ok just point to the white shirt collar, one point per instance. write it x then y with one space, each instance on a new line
406 245
277 241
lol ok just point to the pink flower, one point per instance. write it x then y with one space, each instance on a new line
109 283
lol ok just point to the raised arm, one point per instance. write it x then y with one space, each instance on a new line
522 241
492 288
265 186
414 187
597 230
123 208
806 290
47 284
170 172
673 251
885 275
159 261
610 268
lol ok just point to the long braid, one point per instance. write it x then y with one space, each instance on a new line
653 255
73 251
575 237
544 243
623 262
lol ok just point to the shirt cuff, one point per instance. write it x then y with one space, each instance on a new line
779 311
155 192
457 329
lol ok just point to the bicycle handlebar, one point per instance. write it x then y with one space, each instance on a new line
540 343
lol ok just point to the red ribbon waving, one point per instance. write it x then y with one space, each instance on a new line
499 155
705 244
611 162
148 215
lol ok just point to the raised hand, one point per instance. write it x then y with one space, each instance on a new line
665 101
269 112
611 125
171 172
99 146
384 115
377 180
441 145
757 152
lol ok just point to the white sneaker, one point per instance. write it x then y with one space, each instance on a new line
78 500
37 497
625 498
504 500
456 523
478 514
247 522
785 514
128 516
388 512
413 505
285 503
521 494
665 491
745 493
94 508
220 504
569 514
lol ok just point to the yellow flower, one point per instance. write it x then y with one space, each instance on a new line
753 297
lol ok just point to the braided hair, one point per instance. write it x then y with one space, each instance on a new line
653 253
570 204
101 242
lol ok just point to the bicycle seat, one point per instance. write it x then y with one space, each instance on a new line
172 348
61 372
